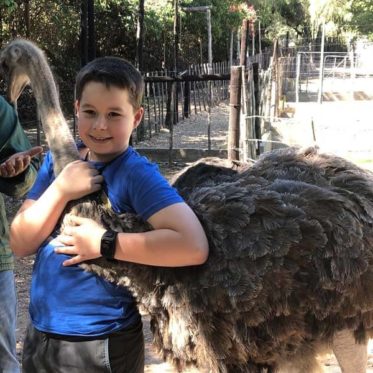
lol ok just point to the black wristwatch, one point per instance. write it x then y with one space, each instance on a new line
108 244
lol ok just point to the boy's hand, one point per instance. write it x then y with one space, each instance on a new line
78 179
17 163
82 239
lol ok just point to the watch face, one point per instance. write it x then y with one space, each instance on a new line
108 244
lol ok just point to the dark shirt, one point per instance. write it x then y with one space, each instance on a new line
12 140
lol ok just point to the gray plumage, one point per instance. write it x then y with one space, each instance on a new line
290 261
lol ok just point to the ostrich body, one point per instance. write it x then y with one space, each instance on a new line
290 269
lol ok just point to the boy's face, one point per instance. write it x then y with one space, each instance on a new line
106 119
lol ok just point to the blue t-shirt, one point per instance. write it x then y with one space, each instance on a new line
70 301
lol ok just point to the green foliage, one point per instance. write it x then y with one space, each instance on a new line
362 17
55 26
8 4
115 23
293 13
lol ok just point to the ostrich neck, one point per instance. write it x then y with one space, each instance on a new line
56 129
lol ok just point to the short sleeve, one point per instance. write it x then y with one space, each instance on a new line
149 191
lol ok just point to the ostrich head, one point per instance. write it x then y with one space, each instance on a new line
19 61
18 79
24 63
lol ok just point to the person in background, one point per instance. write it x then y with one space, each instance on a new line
18 170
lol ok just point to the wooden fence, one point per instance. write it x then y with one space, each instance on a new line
171 97
250 110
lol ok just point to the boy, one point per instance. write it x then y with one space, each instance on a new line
17 173
81 322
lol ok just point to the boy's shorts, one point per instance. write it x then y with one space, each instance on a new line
119 352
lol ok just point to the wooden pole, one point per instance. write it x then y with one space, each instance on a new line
297 78
169 106
186 99
231 49
238 40
257 121
209 34
234 114
321 68
243 43
275 88
209 84
252 32
260 42
173 94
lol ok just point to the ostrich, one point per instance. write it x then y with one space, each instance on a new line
290 269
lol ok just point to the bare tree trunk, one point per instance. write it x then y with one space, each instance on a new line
83 33
140 35
27 17
91 30
1 30
176 58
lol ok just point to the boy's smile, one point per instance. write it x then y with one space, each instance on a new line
106 119
100 139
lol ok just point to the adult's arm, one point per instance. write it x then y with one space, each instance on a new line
13 140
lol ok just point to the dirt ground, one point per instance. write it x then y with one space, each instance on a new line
343 137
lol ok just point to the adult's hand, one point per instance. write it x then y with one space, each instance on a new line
17 163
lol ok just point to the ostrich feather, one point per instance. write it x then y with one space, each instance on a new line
290 261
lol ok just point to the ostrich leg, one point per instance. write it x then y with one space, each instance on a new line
352 357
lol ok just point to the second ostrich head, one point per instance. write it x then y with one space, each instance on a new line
22 63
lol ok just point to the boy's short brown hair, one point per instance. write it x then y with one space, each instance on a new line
112 71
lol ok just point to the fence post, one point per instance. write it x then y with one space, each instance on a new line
169 105
234 113
186 99
257 121
297 78
170 115
243 47
321 68
173 95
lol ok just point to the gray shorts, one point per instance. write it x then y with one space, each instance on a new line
119 352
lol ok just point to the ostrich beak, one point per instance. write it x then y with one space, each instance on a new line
16 84
16 81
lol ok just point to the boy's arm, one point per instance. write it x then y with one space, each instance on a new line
178 239
36 220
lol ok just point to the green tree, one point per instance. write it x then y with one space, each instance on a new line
361 17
